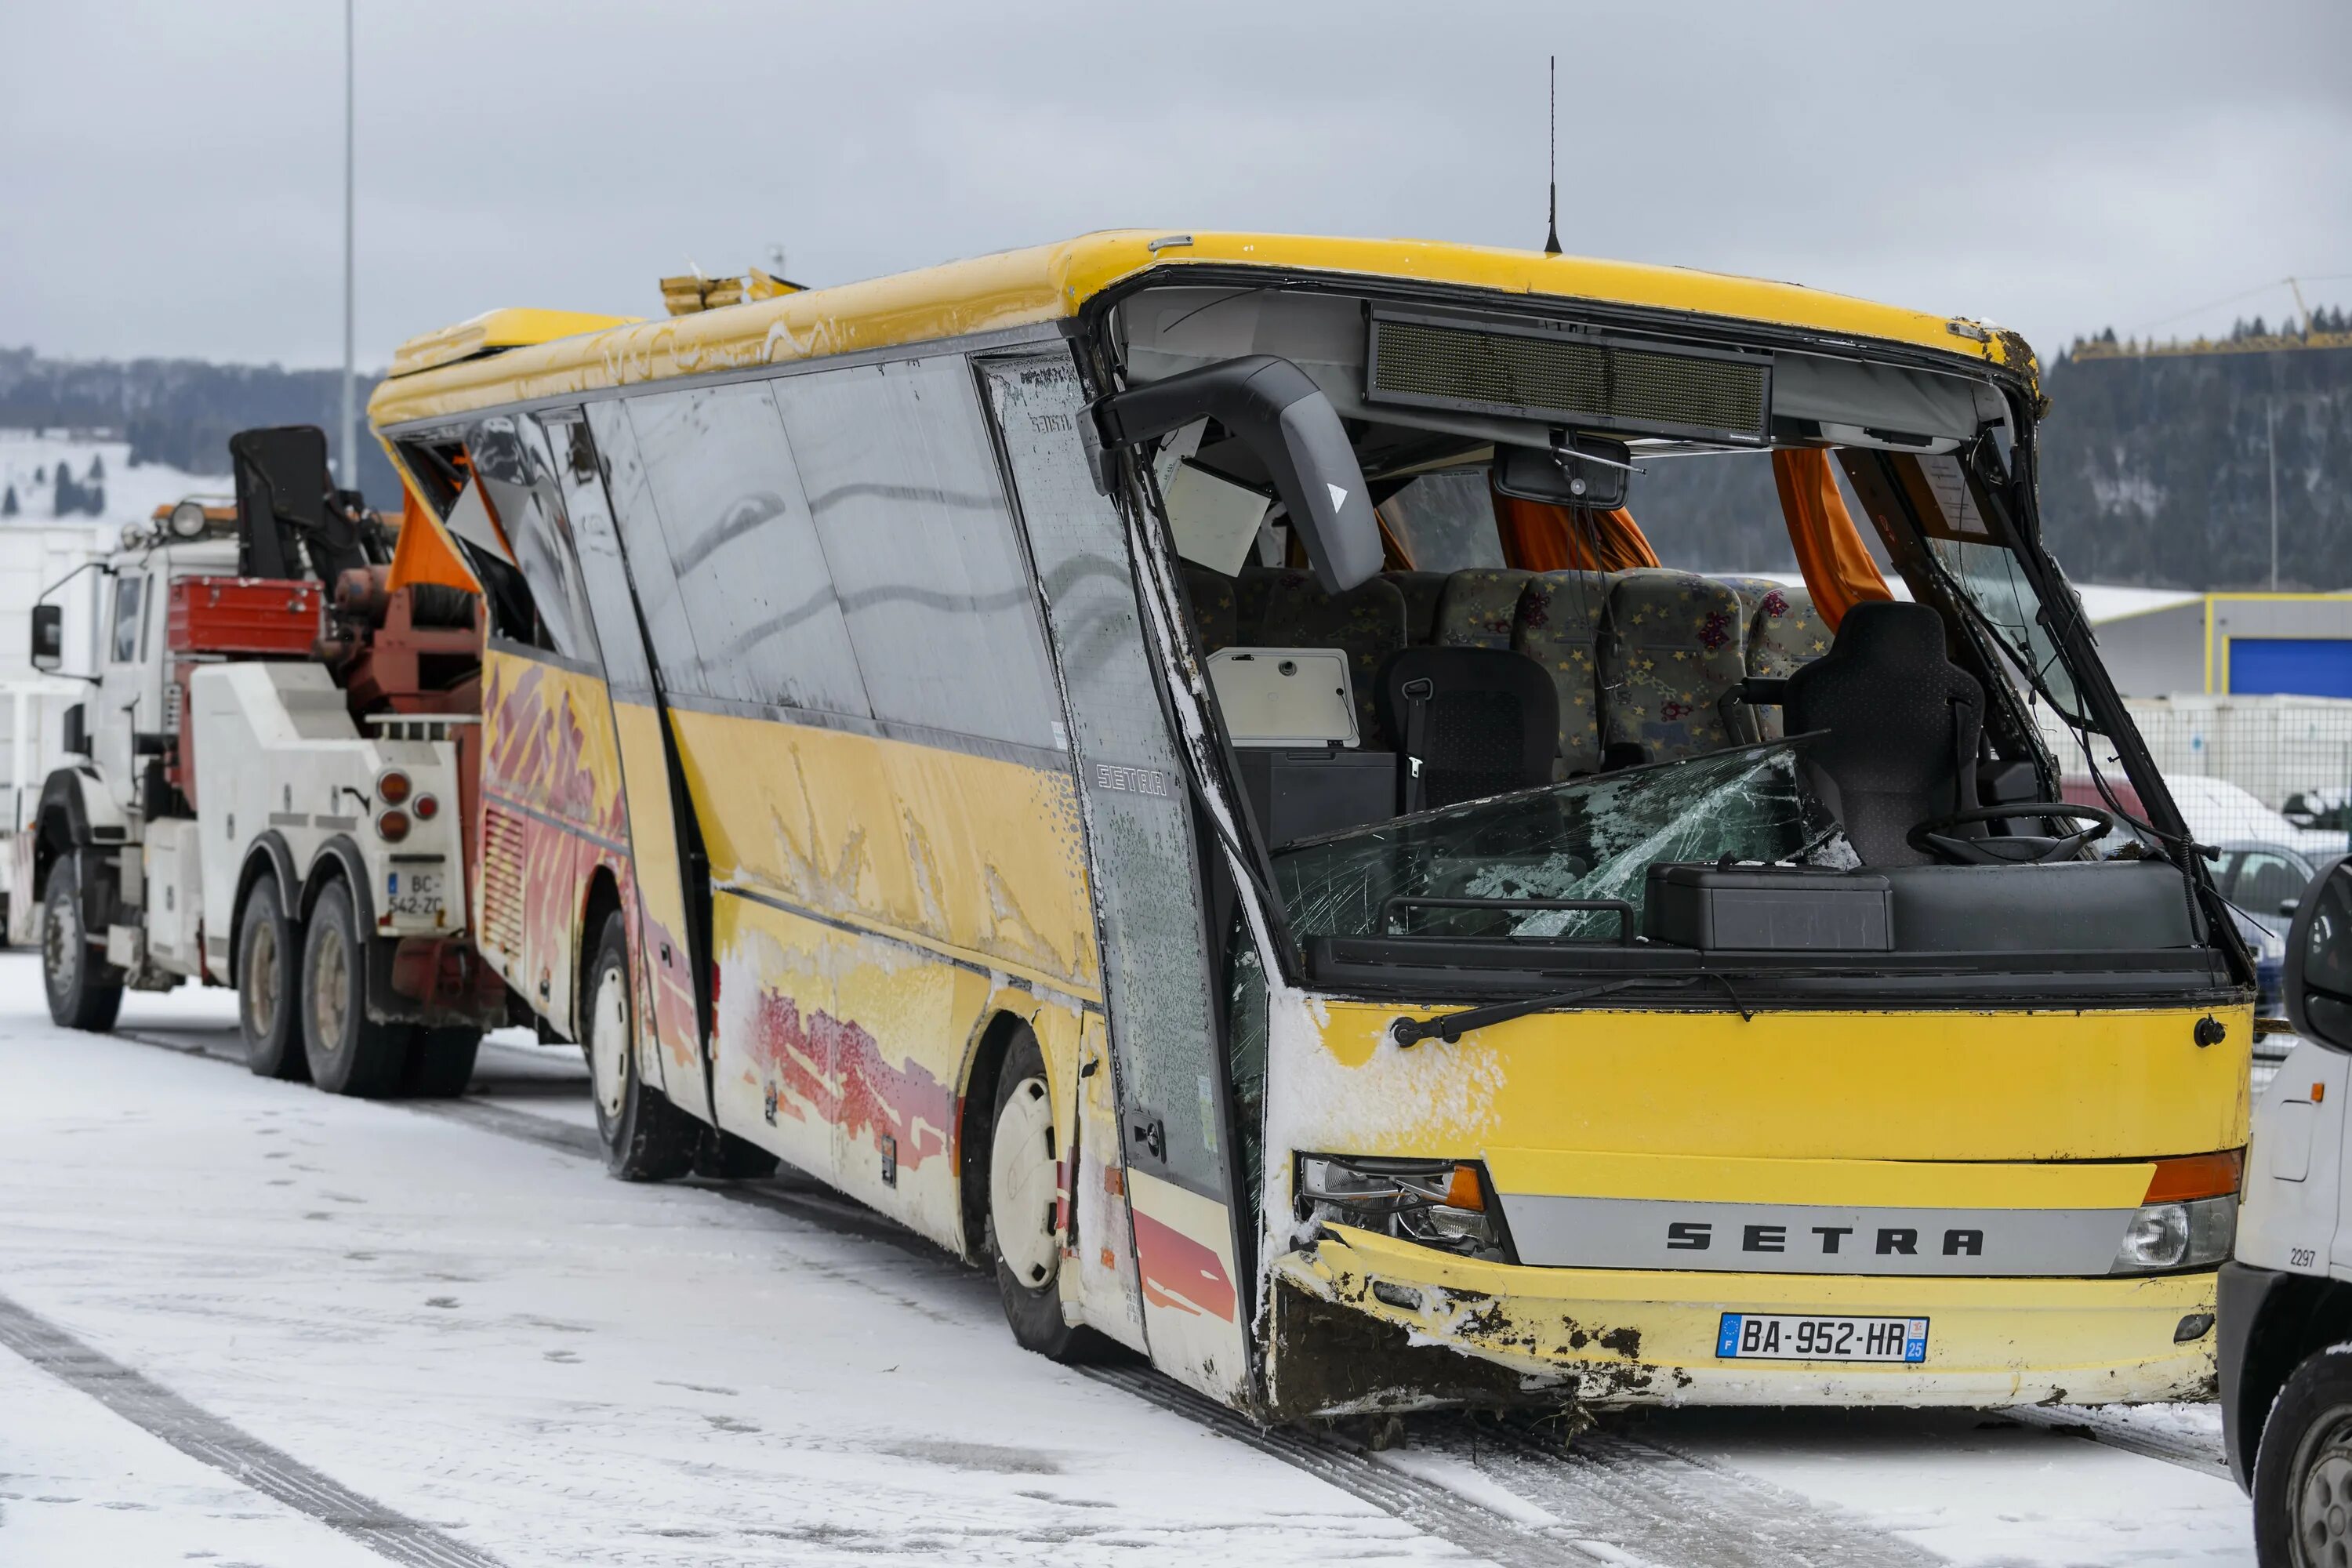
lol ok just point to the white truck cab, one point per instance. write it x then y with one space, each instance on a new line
275 772
2285 1338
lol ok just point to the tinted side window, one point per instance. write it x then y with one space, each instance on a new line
130 592
603 575
518 478
902 481
638 525
751 583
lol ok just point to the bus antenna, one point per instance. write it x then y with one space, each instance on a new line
1552 236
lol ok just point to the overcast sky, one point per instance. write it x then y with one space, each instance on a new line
171 174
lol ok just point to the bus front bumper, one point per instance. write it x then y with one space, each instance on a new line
1363 1322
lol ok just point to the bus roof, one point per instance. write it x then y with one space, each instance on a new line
507 356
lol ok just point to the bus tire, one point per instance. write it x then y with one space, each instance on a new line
349 1053
85 991
1023 1172
441 1063
269 986
645 1138
2303 1467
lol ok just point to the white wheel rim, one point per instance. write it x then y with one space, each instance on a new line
261 978
608 1039
1021 1183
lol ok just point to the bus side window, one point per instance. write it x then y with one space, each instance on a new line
517 475
905 491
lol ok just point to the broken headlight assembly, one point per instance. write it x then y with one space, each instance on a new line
1445 1204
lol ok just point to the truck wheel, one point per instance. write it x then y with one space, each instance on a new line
349 1053
85 991
2303 1468
267 987
647 1138
441 1063
1022 1167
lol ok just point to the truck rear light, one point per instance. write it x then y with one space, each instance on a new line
2193 1176
392 787
392 826
426 808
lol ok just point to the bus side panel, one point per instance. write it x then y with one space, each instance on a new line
666 1013
552 815
1102 1240
774 1038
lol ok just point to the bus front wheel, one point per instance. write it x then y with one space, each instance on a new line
1022 1171
645 1138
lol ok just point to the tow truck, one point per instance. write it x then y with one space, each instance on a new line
269 783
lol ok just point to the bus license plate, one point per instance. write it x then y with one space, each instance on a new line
1761 1336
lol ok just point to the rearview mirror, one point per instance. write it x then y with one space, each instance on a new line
1581 471
1276 409
2319 960
48 636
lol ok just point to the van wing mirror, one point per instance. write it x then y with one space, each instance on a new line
1276 409
48 636
2319 960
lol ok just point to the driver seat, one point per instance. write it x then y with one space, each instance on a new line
1902 722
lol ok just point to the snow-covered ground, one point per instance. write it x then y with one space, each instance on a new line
453 1328
132 494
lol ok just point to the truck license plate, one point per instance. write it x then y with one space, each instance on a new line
412 892
1776 1336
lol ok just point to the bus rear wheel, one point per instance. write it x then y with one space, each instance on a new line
348 1052
1023 1160
645 1138
85 991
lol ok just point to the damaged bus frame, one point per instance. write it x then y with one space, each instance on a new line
1004 740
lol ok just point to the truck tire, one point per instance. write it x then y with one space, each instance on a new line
85 991
268 986
349 1053
647 1138
441 1063
2303 1468
1023 1176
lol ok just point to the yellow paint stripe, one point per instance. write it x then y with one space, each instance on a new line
1901 1184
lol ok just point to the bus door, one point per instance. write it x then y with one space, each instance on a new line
1152 931
670 1034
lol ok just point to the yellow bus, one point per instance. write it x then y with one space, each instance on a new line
1173 765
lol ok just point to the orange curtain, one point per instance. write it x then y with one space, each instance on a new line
422 554
1538 536
1838 568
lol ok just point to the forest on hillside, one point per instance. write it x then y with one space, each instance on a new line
2157 470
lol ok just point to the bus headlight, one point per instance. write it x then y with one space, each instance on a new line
1444 1204
2178 1236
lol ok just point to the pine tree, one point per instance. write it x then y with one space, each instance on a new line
93 500
96 467
8 502
41 475
67 498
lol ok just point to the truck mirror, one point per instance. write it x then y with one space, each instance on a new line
48 636
1275 410
2319 960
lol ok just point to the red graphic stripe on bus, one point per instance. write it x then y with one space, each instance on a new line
837 1068
1180 1272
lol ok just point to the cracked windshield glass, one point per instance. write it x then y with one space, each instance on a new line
1587 840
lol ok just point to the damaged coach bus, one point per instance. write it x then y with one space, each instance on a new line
1172 766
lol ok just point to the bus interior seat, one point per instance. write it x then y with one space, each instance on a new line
1482 721
1215 609
1671 660
1902 724
1752 591
1367 623
1480 607
1785 634
1421 592
1558 626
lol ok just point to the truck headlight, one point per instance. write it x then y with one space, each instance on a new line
1444 1204
2178 1236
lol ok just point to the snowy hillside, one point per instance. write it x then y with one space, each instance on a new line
28 466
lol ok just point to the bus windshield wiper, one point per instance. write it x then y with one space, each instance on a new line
1450 1026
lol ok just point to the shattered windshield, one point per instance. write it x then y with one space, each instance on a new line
1989 574
1588 840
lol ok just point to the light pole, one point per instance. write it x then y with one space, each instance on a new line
347 465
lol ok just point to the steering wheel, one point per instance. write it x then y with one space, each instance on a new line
1936 837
